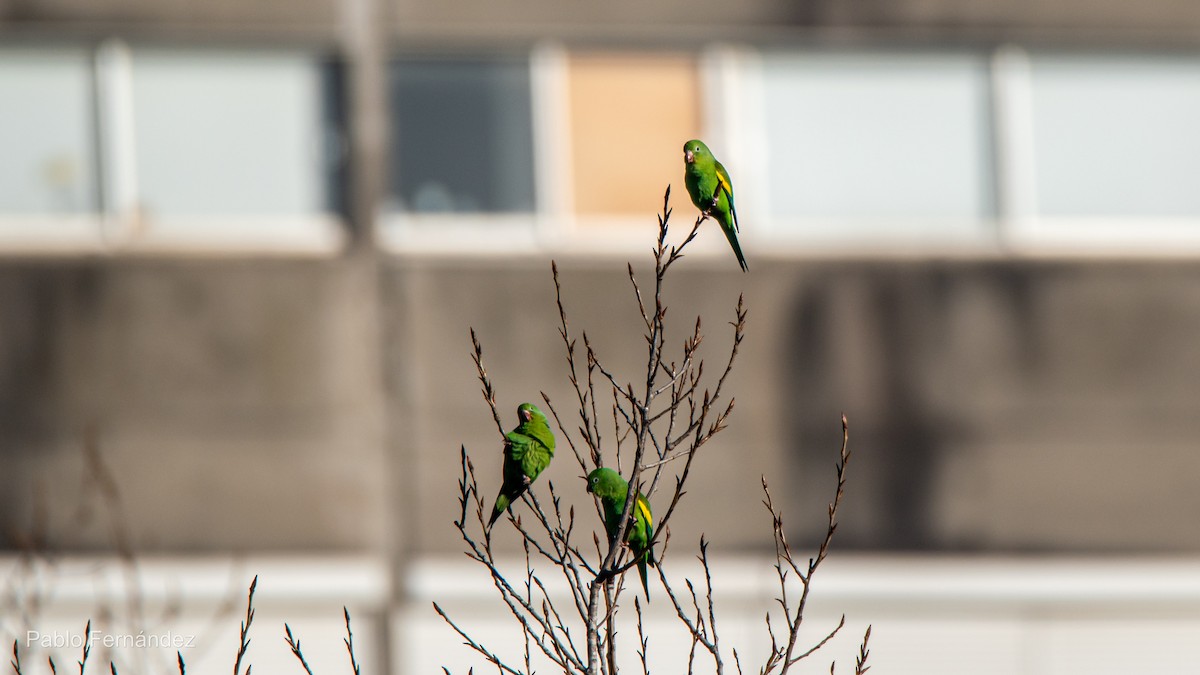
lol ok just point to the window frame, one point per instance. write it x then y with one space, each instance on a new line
113 227
482 233
732 98
554 225
825 235
1026 230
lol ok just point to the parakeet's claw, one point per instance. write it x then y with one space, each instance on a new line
526 480
713 205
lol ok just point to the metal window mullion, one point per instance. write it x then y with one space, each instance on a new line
1016 178
551 137
115 140
732 96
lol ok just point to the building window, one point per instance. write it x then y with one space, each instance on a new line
462 136
629 116
48 161
1116 135
878 143
169 149
232 133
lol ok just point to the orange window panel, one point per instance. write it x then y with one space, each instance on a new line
630 116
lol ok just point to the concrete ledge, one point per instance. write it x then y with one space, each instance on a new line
143 613
929 615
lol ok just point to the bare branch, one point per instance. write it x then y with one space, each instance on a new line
661 419
244 637
470 642
87 647
294 644
349 640
860 663
489 393
580 394
643 641
784 657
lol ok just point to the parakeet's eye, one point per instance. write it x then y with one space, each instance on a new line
595 479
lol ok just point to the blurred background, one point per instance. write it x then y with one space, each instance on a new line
241 245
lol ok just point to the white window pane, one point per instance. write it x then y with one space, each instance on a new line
233 133
47 161
878 136
1117 135
462 138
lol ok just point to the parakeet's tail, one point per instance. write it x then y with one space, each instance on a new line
731 235
502 502
645 577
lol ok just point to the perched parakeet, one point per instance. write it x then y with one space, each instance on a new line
528 450
613 491
711 190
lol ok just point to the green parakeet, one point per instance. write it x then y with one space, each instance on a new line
711 190
528 450
613 491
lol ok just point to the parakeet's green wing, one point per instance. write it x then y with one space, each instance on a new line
528 450
613 491
516 445
612 514
540 445
538 430
640 534
519 450
643 509
725 184
536 458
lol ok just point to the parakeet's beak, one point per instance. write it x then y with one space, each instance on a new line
688 156
525 415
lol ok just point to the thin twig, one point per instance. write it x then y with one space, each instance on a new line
643 640
470 642
860 663
349 640
294 644
785 656
87 646
581 395
489 393
244 637
544 629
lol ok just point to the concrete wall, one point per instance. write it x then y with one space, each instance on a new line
1010 405
234 402
995 404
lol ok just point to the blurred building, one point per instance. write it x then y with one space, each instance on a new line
242 244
